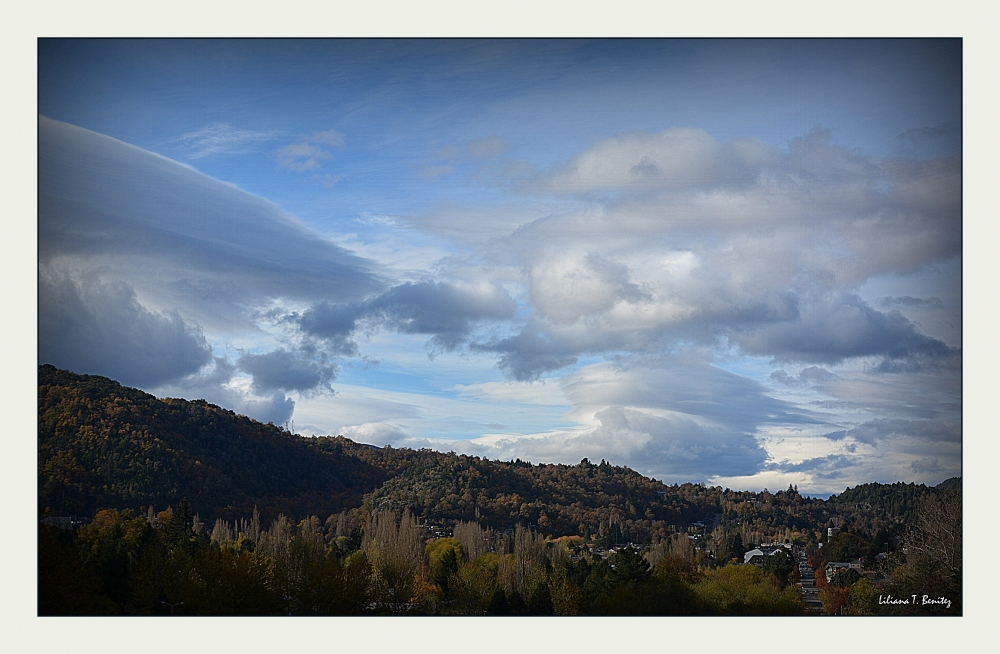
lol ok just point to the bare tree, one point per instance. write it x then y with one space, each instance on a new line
274 543
937 534
221 532
525 567
396 551
255 526
475 540
558 554
342 527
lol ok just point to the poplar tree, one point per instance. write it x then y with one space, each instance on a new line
395 550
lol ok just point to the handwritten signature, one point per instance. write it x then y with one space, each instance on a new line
915 600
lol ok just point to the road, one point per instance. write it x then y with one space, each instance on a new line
808 584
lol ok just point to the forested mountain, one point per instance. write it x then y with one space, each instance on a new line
103 445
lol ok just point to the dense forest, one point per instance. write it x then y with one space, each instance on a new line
160 506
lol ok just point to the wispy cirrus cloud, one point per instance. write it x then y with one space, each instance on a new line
223 138
309 152
301 157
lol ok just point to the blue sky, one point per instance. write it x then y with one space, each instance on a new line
736 262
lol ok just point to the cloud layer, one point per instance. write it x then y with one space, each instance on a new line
140 256
673 275
102 328
734 243
198 241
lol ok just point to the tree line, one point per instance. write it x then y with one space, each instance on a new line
359 563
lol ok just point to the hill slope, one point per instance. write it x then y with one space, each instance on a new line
103 445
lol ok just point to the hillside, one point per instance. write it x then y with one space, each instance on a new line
103 445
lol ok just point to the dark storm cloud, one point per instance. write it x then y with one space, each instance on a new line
810 375
834 330
286 371
911 302
445 312
333 323
96 328
926 464
880 429
213 384
528 355
679 447
214 255
823 463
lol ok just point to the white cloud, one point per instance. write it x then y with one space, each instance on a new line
375 433
330 137
675 158
486 148
735 243
218 384
310 152
301 157
223 138
209 250
567 288
680 420
545 391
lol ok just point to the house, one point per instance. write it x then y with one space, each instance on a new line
833 567
61 522
758 555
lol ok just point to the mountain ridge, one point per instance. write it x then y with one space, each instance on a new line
105 445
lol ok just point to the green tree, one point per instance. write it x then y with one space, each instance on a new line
780 565
178 532
443 557
845 578
66 586
863 598
629 568
110 544
540 600
474 587
746 590
846 547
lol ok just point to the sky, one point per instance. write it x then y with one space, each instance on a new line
719 261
